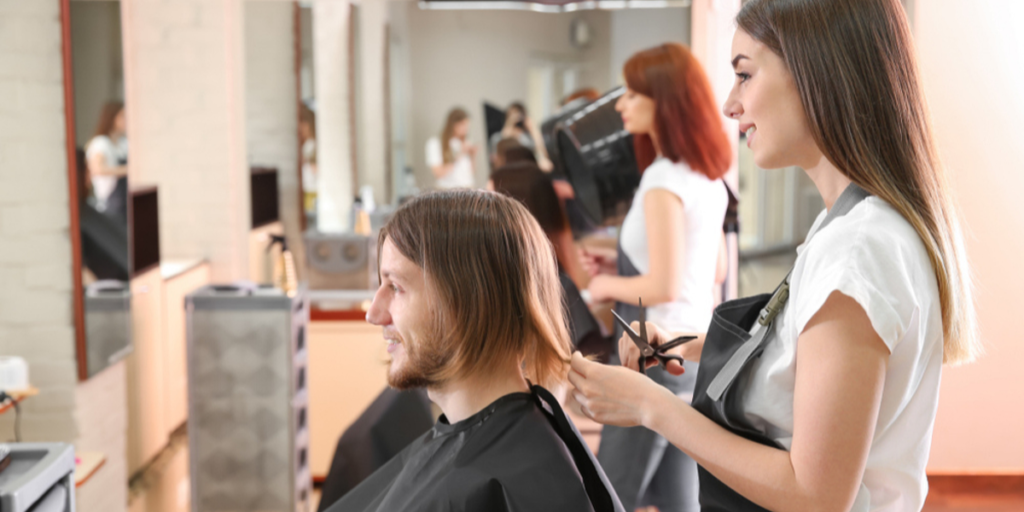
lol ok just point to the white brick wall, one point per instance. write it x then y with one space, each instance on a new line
35 249
35 257
271 102
185 91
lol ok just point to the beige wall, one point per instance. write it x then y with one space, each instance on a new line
185 90
463 58
972 58
271 113
633 30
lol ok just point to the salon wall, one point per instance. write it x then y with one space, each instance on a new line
97 65
633 30
972 59
498 46
185 90
35 258
271 101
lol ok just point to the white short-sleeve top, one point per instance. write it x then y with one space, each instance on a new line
461 173
874 256
704 203
114 152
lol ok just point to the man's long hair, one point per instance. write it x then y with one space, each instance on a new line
493 281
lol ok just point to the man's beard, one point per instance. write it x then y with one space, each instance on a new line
423 361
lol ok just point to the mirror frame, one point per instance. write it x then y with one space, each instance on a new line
74 228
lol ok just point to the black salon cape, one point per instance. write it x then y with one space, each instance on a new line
507 457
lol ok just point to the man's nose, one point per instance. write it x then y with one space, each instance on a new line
378 312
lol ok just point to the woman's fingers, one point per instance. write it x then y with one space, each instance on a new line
673 367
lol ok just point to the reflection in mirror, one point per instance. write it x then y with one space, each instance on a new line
102 172
307 116
473 90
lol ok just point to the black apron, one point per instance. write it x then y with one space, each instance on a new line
739 331
642 466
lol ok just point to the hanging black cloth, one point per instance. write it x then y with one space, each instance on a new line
739 331
393 421
520 453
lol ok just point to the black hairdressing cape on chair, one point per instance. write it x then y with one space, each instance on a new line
520 453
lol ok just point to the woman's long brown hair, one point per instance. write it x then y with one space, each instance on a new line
855 68
455 116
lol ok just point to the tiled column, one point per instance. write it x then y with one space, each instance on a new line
333 129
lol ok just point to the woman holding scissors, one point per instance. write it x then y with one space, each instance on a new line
668 251
823 396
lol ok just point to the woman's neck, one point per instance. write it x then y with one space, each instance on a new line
829 180
465 397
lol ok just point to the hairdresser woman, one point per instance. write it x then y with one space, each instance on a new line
837 411
668 251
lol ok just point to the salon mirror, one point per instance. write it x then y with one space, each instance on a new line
484 56
100 182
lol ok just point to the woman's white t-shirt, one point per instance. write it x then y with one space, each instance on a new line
113 154
874 256
704 204
461 174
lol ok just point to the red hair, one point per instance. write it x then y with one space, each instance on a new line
686 119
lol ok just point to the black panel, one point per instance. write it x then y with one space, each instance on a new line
145 227
264 200
597 155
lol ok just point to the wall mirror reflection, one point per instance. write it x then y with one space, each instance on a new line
101 147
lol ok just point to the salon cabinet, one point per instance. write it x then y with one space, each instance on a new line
157 381
347 370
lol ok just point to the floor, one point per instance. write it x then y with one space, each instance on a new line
164 486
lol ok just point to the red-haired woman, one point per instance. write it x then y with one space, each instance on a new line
668 251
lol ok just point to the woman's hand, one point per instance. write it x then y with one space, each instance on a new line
598 261
613 395
629 354
600 288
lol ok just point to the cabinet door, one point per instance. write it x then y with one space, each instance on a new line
147 432
346 373
175 368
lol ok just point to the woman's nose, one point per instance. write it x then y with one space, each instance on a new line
732 108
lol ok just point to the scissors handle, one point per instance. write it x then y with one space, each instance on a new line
675 343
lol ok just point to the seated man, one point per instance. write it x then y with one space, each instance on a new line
471 307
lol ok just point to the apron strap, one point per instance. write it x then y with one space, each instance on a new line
850 197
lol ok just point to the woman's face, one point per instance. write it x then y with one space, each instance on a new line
765 101
120 126
637 112
461 129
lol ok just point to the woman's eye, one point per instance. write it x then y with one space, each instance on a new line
743 77
394 288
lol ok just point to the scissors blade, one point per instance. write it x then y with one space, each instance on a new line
640 343
643 322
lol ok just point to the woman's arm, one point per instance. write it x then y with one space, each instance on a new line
568 255
97 165
841 367
664 218
540 150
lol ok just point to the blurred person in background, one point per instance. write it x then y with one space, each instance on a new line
520 127
526 183
452 162
307 140
668 252
106 157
